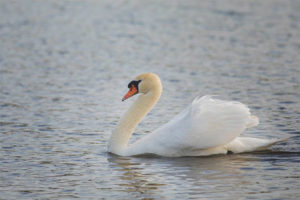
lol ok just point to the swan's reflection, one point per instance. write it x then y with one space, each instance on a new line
158 177
134 178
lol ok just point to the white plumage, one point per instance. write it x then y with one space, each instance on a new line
207 126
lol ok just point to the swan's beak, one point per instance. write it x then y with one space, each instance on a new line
132 91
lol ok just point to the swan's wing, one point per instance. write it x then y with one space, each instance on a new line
206 123
216 122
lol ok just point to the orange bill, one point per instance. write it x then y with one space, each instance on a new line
132 91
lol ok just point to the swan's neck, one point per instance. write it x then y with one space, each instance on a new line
121 135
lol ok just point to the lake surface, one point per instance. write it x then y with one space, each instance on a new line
65 66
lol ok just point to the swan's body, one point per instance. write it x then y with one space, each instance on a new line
208 126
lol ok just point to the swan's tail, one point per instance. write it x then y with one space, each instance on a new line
253 121
247 144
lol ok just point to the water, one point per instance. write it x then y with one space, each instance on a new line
65 65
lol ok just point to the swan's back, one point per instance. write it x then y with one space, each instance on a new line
207 123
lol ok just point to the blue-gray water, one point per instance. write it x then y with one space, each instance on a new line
65 65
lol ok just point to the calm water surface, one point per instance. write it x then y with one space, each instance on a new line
65 65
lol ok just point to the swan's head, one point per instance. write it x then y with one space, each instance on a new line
143 84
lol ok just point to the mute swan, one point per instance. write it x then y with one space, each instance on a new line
208 126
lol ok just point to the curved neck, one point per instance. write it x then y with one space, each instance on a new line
121 135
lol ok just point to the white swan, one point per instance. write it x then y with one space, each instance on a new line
207 126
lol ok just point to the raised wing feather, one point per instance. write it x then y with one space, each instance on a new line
216 122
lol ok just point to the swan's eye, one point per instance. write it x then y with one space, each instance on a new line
134 83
